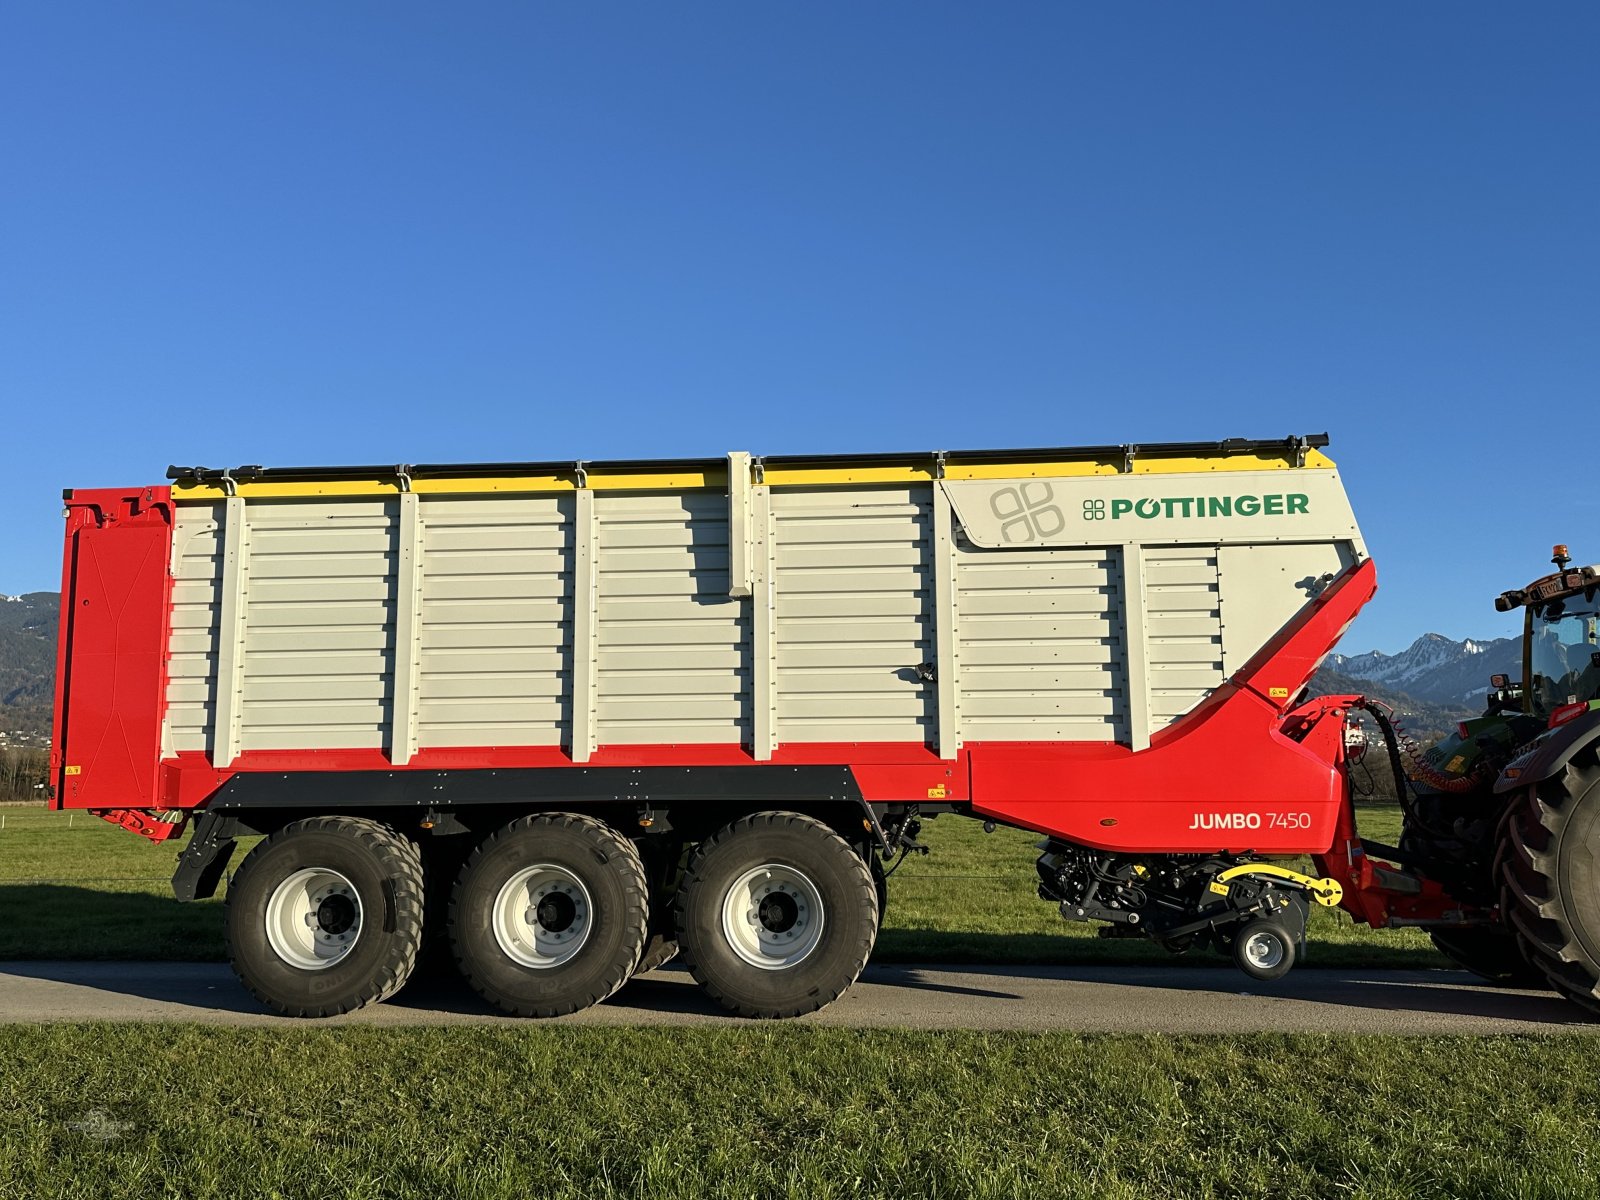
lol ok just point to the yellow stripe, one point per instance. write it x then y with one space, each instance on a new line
512 485
1080 468
775 477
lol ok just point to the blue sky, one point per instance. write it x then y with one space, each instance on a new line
299 233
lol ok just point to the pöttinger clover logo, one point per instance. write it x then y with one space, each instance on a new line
1026 512
1094 510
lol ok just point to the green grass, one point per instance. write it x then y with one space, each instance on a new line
73 886
549 1112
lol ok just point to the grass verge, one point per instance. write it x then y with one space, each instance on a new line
74 887
138 1111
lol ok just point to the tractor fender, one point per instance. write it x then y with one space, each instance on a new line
1549 753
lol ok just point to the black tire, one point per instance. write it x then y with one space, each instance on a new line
658 952
1551 872
1263 949
1489 952
593 891
442 859
380 913
663 867
821 896
1530 976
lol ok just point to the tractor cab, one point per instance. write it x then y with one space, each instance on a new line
1561 641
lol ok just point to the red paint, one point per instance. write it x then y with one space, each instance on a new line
112 655
1371 894
142 823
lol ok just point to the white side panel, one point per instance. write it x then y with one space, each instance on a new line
496 625
1183 623
319 624
853 592
1041 644
196 609
674 646
1263 587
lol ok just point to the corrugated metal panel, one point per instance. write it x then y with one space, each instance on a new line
845 582
853 593
674 648
319 624
496 628
1184 623
1040 644
196 608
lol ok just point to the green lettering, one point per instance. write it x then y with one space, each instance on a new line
1274 506
1118 507
1247 506
1186 501
1220 506
1299 503
1171 505
1148 508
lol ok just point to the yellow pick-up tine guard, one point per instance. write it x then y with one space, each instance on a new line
1327 892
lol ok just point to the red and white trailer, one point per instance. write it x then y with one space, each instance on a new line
573 716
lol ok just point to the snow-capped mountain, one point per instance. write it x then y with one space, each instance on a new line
1435 668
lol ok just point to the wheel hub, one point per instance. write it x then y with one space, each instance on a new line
313 918
336 914
556 912
772 916
542 916
1264 950
779 912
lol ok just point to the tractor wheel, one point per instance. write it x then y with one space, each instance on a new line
1489 952
1551 873
550 914
325 916
777 915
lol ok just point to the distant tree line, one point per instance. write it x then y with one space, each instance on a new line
20 773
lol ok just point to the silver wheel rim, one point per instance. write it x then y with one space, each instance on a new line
772 916
542 916
313 919
1263 949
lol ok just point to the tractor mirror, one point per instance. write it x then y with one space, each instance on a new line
1499 682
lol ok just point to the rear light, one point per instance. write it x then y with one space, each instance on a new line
1461 730
1568 712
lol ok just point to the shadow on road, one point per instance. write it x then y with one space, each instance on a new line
1440 993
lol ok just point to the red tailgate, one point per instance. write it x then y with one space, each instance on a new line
111 678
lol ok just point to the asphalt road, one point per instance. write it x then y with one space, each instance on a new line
1083 999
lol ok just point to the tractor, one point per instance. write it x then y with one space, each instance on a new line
1505 813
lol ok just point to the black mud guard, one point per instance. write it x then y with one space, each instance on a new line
1551 751
203 860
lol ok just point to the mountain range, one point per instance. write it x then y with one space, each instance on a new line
1436 669
1434 683
27 664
